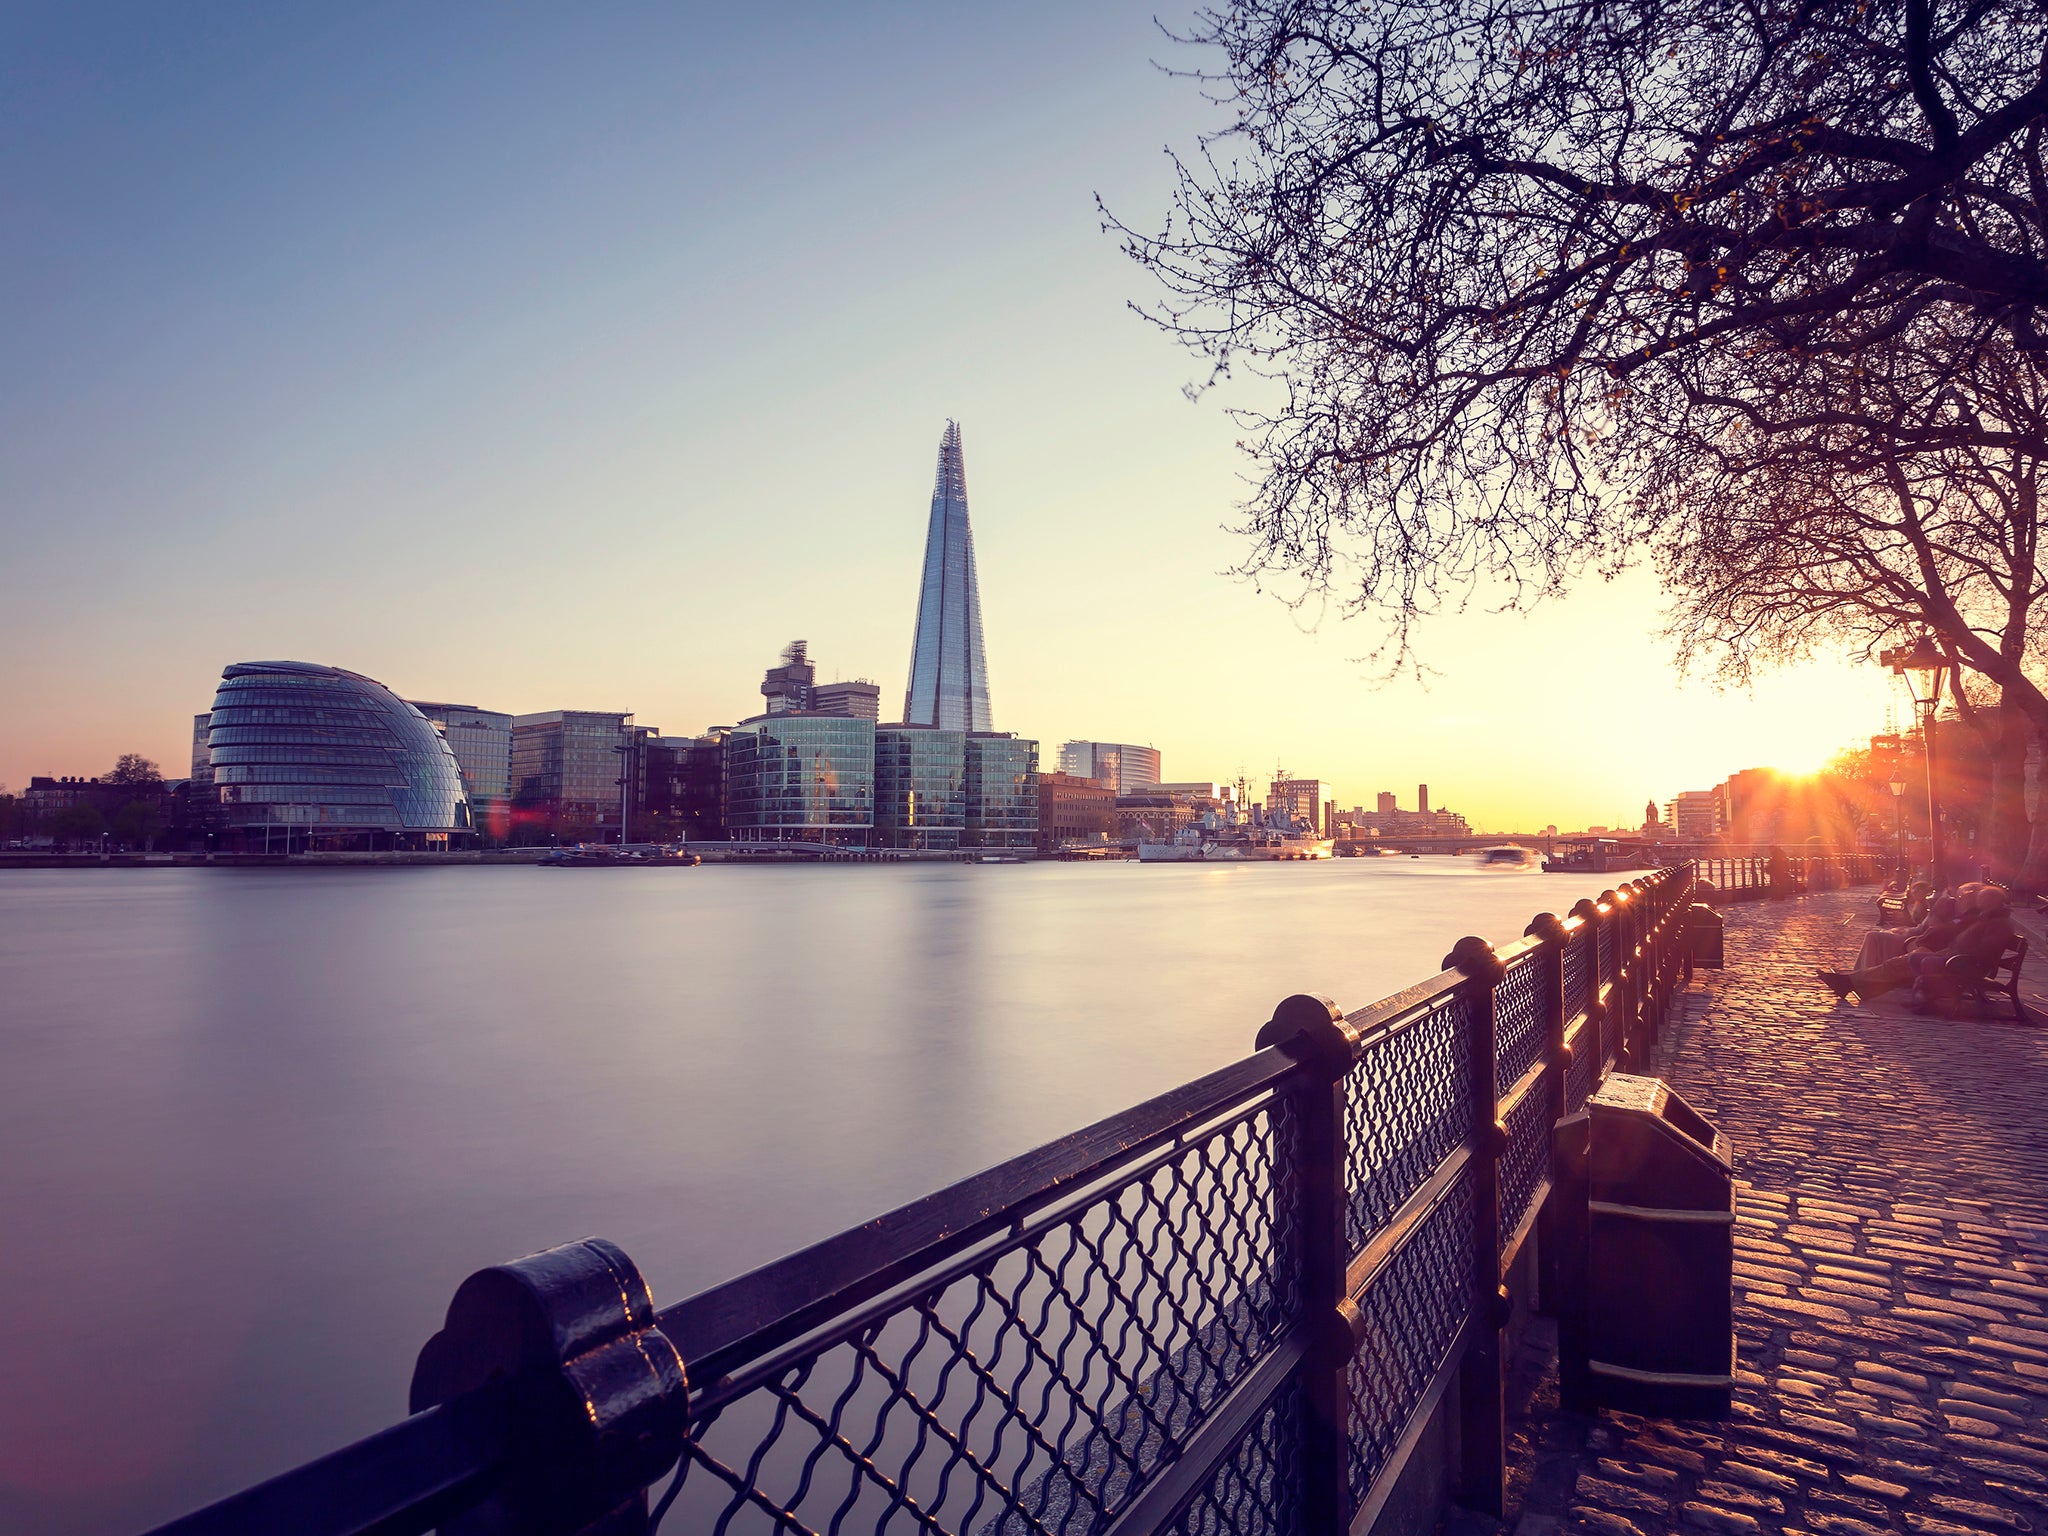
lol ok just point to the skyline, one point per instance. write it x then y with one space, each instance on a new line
549 365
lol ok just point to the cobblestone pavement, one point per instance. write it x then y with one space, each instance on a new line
1891 1269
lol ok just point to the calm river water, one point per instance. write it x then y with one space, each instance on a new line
256 1125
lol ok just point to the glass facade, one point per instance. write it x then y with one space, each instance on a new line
948 666
566 767
1002 792
802 777
481 740
310 756
920 787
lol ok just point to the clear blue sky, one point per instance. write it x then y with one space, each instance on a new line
581 358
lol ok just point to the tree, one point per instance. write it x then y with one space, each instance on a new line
1468 249
134 769
138 823
1854 500
79 822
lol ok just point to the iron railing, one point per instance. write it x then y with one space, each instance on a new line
1234 1308
1746 876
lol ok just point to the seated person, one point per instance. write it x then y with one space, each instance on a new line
1918 895
1985 930
1921 931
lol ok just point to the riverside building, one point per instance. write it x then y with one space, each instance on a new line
800 776
920 787
566 770
1002 791
948 662
306 757
481 740
1120 765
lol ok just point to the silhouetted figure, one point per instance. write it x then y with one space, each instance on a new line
1986 930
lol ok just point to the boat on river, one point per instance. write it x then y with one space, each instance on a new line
1507 856
1222 837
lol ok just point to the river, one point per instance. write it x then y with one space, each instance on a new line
256 1125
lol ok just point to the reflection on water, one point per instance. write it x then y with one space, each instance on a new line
257 1125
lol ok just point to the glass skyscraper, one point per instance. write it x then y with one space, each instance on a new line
948 666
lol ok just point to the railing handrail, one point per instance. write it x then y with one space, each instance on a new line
783 1299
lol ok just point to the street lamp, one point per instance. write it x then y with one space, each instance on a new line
1897 785
1924 668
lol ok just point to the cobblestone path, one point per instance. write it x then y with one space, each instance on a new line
1891 1258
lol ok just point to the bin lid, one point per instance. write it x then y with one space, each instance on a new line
1652 1149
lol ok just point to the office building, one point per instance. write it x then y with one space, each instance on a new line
1002 791
314 757
948 665
1205 790
857 700
1121 765
567 765
1387 805
1073 810
202 758
920 787
1694 816
482 742
788 686
799 776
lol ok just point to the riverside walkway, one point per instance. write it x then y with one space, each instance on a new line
1891 1267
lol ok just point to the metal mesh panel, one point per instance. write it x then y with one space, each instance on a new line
1579 1081
1577 988
1408 1104
1034 1390
1607 950
1526 1163
1256 1491
1521 1010
1414 1307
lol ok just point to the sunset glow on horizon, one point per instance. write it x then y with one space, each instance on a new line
319 353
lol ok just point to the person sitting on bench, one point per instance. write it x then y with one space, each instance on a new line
1986 930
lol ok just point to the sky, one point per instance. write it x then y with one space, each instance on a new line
583 358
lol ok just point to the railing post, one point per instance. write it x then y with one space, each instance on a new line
599 1397
1587 911
1557 1057
1621 1013
1482 1394
1314 1031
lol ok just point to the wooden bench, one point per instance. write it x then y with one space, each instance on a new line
1976 984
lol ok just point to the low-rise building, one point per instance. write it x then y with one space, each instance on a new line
1074 811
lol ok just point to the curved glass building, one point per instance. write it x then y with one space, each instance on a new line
306 756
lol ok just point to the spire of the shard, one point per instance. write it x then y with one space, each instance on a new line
948 668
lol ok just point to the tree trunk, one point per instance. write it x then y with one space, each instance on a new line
2007 840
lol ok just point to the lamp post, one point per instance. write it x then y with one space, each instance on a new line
1924 668
1897 785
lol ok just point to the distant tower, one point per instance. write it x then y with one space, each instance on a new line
1422 798
948 668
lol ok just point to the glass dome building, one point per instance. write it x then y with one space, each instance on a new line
311 757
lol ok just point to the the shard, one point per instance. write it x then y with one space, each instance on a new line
948 669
